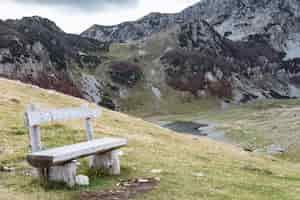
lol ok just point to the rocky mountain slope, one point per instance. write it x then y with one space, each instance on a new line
233 50
276 21
241 50
35 50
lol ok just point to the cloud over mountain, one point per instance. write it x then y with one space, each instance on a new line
84 5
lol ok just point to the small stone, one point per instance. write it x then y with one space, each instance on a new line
248 149
275 149
121 153
126 184
143 180
198 174
14 100
156 171
157 179
27 174
6 169
82 180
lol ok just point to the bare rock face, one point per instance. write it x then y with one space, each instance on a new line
275 21
35 50
232 70
148 25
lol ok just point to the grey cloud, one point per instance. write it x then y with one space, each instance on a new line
84 5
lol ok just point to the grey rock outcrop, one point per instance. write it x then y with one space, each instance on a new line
36 51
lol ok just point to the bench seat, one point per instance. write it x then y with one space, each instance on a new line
58 156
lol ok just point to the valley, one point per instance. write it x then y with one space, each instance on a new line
267 127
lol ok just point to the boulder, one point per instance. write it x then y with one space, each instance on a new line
82 180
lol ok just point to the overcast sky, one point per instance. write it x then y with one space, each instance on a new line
74 16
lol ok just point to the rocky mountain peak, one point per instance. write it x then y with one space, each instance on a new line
36 50
37 23
274 21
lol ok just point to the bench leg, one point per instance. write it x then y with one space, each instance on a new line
108 163
64 173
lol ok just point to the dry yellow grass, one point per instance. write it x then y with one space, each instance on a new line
228 172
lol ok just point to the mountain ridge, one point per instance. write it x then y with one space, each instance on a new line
229 17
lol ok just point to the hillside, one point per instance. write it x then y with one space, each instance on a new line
227 172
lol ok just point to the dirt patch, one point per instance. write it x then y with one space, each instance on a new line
125 190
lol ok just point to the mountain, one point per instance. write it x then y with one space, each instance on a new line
36 51
249 49
222 50
276 21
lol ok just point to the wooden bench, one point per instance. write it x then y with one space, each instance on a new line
59 164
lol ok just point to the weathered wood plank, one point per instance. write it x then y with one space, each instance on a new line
35 118
34 131
89 129
57 156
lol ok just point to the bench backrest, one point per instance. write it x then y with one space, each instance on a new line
34 118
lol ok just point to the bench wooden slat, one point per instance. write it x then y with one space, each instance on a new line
36 118
56 156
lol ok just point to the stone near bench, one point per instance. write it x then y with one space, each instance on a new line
59 164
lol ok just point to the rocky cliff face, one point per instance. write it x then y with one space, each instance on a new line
276 21
148 25
207 63
35 50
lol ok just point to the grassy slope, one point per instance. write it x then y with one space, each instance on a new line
142 101
256 125
264 123
229 173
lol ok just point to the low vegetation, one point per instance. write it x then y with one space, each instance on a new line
189 168
255 126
